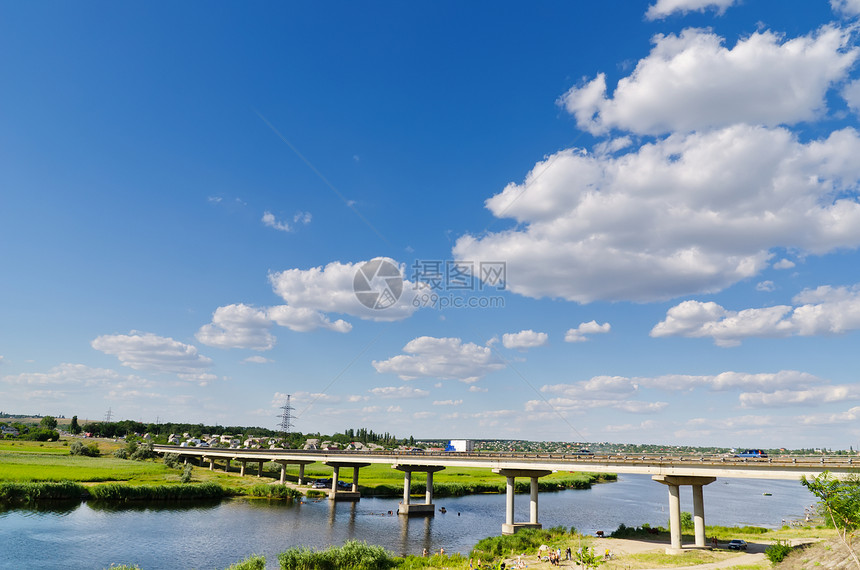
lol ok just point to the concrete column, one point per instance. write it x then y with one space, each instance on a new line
334 476
407 483
301 474
699 514
533 505
260 470
242 471
675 517
283 473
227 467
428 494
211 464
509 502
355 479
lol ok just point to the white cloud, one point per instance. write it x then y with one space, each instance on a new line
663 8
478 389
621 388
765 286
851 94
443 358
146 351
77 375
447 402
806 397
331 289
693 81
822 311
579 334
579 404
784 264
722 200
238 326
846 7
303 319
257 359
269 220
849 416
524 339
302 218
399 392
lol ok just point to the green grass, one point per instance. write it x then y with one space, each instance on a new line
50 466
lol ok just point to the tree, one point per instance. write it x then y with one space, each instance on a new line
840 501
74 427
48 422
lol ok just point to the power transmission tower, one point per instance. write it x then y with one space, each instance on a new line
108 415
286 424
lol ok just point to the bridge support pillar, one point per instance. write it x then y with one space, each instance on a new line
352 495
242 471
510 527
283 478
211 463
427 509
227 465
301 480
674 483
260 470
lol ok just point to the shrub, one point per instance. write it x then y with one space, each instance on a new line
353 555
89 450
143 451
274 492
28 493
186 474
117 492
171 460
121 454
250 563
777 551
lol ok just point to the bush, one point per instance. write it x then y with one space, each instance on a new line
117 492
172 460
250 563
353 555
89 450
28 493
186 474
777 551
143 451
274 492
121 454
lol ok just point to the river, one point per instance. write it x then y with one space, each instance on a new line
218 535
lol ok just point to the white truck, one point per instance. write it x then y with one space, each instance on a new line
461 445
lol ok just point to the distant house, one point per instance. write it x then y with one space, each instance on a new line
8 430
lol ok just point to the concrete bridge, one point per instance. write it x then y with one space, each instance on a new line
672 470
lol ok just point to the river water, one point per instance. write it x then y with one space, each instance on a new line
215 536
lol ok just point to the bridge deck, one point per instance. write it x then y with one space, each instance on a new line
778 467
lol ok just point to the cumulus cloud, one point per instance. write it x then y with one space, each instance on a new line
847 8
67 374
399 392
238 326
579 404
524 340
447 402
692 81
722 200
811 396
765 286
443 358
825 310
147 351
663 8
257 359
303 319
269 220
784 264
580 333
331 289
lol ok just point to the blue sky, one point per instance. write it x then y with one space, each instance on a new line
669 189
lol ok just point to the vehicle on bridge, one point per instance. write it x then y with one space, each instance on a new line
751 453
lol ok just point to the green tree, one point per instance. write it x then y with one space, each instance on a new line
74 427
840 501
48 422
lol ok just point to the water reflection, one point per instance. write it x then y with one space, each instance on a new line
156 506
210 535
